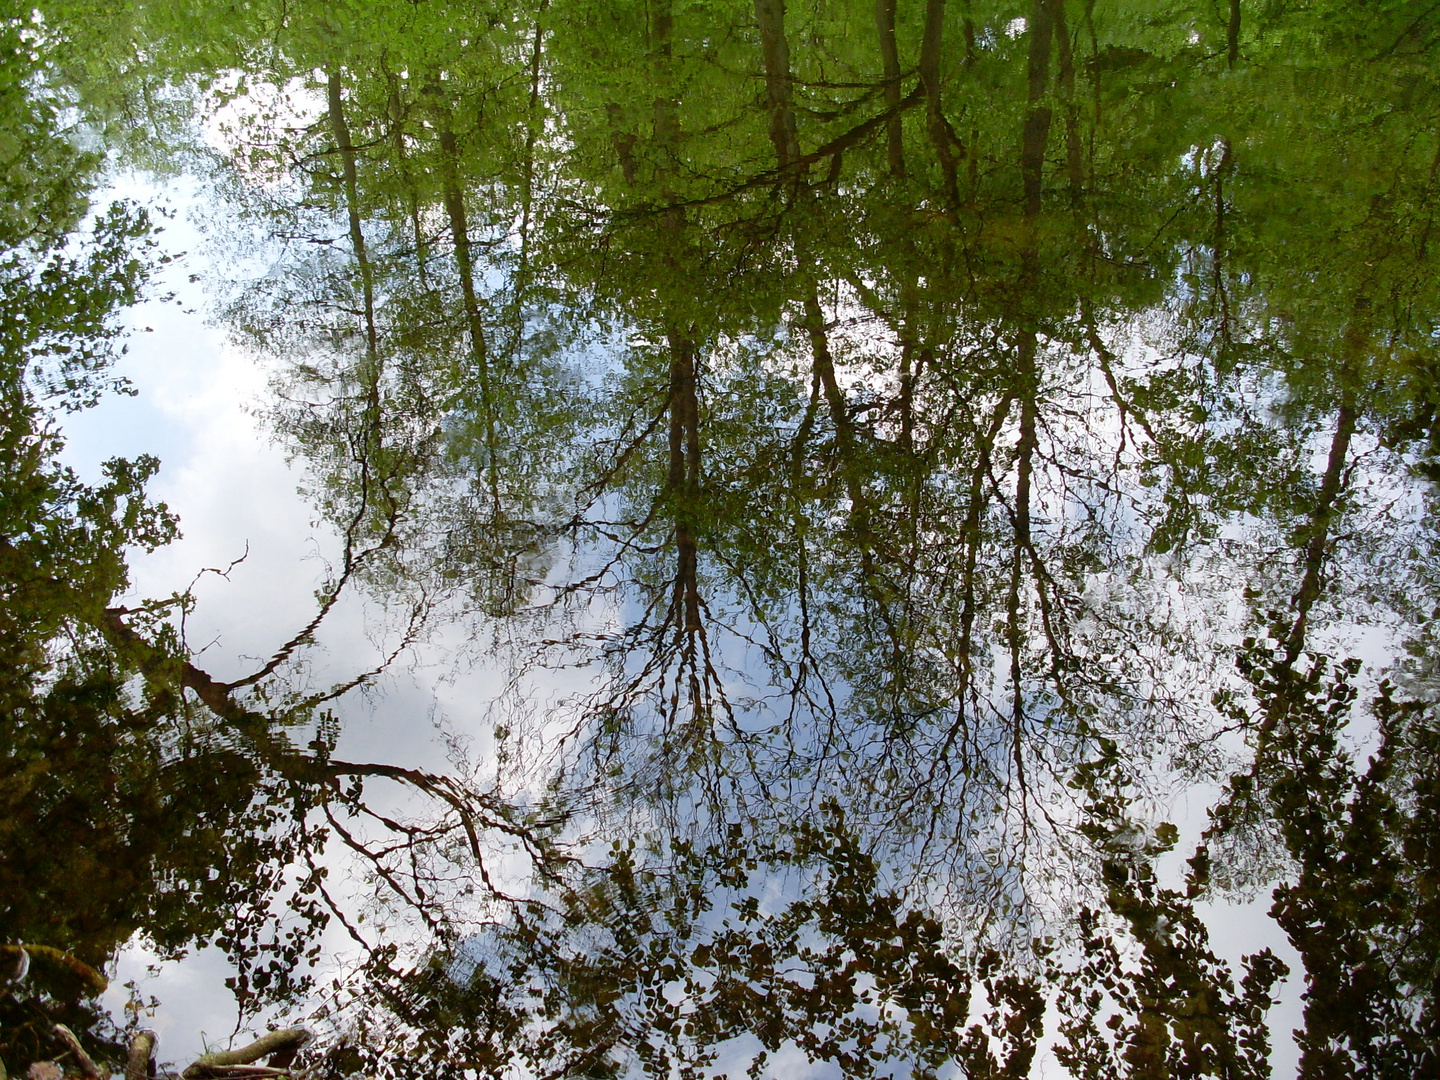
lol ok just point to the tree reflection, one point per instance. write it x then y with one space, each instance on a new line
140 794
907 411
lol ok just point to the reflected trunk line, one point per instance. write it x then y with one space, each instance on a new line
1037 115
970 534
1356 342
683 481
1073 169
369 439
1218 252
454 200
350 178
912 467
1024 475
784 137
917 352
942 136
1045 586
1125 408
1014 643
532 136
396 108
1232 35
878 590
1423 243
686 608
623 142
1026 383
775 58
1321 520
682 485
959 731
845 441
802 558
847 451
515 314
775 54
1093 75
1032 162
1108 361
890 66
907 395
914 358
667 131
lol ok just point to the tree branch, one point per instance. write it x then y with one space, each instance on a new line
276 1043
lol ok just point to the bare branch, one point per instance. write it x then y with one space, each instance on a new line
218 1064
142 1049
87 1065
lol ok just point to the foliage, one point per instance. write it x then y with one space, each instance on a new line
1360 906
119 810
901 409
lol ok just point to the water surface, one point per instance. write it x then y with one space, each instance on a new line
941 496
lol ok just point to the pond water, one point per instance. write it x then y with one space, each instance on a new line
819 539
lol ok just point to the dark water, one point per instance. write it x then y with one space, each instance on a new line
924 444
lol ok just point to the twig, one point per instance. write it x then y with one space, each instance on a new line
221 1063
87 1066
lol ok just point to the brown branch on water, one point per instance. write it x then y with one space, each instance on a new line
92 979
142 1049
82 1059
274 1044
14 965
